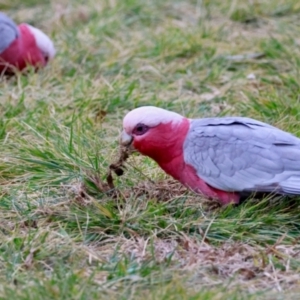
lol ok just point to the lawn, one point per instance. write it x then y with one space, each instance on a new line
62 235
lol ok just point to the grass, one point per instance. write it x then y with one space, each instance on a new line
64 238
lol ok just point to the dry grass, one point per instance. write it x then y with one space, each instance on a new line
65 231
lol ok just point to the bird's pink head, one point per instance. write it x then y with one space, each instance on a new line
155 132
43 42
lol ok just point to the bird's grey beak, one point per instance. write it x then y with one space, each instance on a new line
125 139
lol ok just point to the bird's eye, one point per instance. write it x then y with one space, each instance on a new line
140 129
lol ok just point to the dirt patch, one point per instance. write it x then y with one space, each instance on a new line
81 190
163 190
253 266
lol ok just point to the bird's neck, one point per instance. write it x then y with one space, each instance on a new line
31 51
165 146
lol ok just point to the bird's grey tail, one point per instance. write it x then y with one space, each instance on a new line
8 31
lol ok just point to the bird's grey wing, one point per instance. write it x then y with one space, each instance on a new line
8 31
242 154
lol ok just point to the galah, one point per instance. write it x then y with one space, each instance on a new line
222 158
22 45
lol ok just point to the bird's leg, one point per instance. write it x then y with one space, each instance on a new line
226 198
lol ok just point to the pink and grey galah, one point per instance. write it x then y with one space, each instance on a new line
23 45
223 158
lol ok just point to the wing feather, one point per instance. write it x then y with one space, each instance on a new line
242 154
8 31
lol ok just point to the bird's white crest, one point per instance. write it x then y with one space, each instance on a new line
43 41
150 116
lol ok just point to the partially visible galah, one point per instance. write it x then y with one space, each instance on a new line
221 158
22 45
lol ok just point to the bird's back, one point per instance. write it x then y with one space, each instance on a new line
8 32
242 154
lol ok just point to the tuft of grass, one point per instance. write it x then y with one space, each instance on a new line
62 235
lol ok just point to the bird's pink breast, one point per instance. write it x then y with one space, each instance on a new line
190 179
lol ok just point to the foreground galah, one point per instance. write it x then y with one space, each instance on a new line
222 158
22 45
